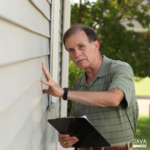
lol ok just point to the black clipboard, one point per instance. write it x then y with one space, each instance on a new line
88 136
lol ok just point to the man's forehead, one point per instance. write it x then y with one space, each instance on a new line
77 38
79 34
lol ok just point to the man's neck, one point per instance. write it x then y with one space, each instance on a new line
92 72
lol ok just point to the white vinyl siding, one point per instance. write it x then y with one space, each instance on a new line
25 42
25 14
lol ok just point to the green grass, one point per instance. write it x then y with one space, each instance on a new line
143 87
143 130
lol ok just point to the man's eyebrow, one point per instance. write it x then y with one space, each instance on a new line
73 48
80 43
70 49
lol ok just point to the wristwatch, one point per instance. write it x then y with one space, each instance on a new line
65 93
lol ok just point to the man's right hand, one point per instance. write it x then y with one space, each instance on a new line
67 141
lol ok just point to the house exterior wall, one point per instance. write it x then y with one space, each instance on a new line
27 37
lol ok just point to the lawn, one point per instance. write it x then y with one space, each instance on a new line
143 131
143 87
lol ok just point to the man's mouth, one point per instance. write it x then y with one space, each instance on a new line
80 60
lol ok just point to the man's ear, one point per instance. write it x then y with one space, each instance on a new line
96 45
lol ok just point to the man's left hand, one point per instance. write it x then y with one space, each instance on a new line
67 141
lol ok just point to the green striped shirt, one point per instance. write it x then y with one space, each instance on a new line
116 124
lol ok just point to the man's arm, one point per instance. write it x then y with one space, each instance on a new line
110 98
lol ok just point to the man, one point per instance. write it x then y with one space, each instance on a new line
105 93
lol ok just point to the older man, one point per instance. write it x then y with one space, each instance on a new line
105 93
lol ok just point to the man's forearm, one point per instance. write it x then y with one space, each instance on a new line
104 99
110 98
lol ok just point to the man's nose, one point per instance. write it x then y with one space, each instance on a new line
77 53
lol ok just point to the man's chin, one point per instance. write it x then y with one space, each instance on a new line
81 66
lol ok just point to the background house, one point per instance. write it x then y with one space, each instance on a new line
137 26
31 33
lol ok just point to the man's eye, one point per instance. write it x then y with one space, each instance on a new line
81 46
71 50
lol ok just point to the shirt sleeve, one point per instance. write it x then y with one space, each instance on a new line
123 79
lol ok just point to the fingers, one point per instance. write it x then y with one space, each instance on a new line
64 135
46 83
67 141
70 140
47 74
45 91
67 144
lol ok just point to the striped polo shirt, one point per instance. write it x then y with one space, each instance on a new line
115 124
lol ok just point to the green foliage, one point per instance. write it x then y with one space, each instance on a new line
117 42
74 74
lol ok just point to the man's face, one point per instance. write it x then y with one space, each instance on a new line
81 51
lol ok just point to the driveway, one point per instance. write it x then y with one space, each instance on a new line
144 104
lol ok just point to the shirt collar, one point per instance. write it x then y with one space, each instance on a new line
103 71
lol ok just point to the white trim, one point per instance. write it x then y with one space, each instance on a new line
54 44
65 57
65 64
